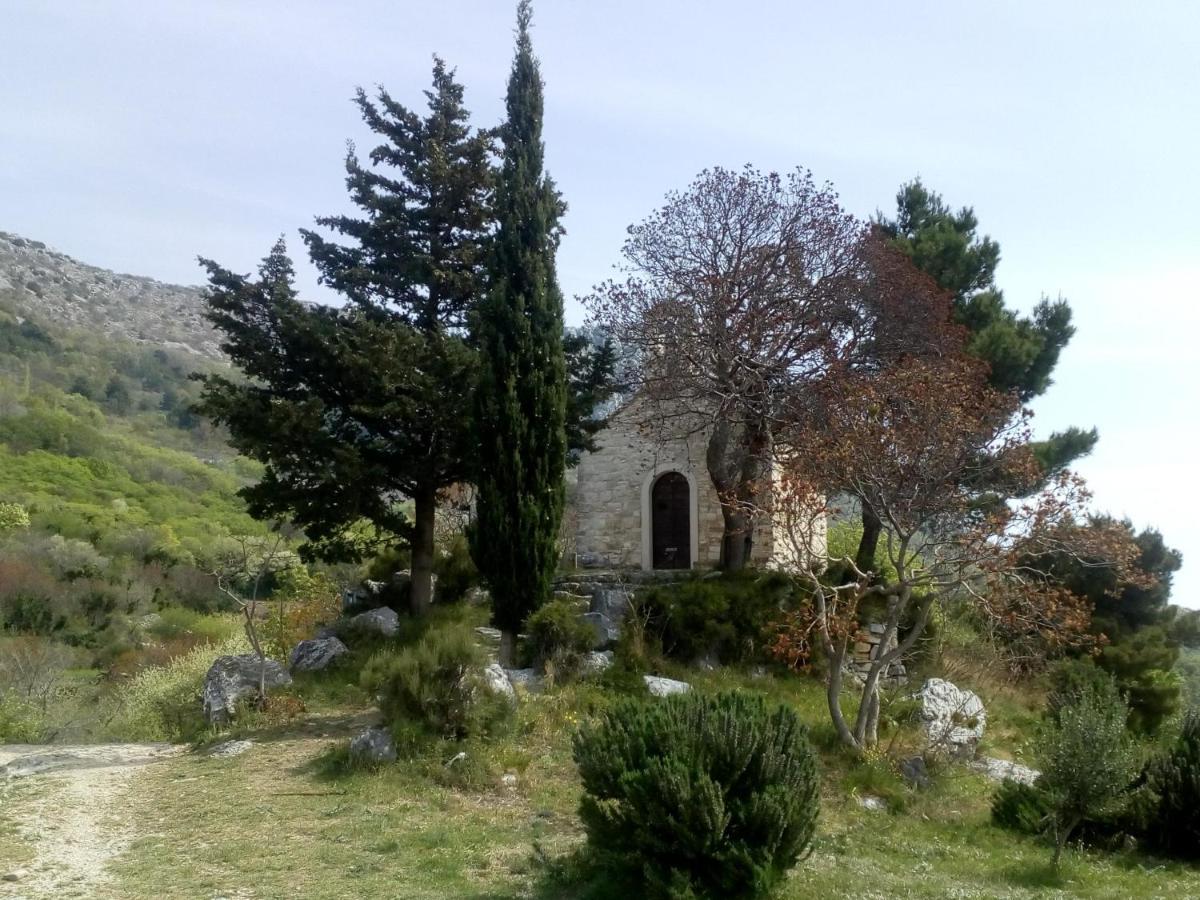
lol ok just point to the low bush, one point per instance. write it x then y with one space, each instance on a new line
455 570
1069 679
1175 779
557 639
730 617
435 688
162 703
1087 761
180 622
20 721
876 774
300 604
1020 807
698 796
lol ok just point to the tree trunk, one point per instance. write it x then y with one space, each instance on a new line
421 598
1061 836
738 464
737 540
508 648
867 545
833 693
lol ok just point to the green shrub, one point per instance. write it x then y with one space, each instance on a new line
455 570
1069 679
1020 807
1088 762
435 688
162 703
698 796
20 721
1175 779
876 774
557 639
729 616
175 622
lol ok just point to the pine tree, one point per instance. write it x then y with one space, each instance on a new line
415 265
1021 351
521 399
1135 618
337 407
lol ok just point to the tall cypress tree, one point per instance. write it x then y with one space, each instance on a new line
521 400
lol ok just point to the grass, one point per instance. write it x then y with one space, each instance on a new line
15 850
291 818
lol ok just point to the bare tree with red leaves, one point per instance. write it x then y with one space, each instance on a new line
740 292
924 441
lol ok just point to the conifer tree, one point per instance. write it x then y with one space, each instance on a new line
521 400
337 408
415 265
1021 351
356 410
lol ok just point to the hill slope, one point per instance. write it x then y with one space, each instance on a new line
124 499
38 281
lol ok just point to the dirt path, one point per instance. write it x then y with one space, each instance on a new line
69 803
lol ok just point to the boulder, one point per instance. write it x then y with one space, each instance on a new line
1003 770
374 745
611 602
234 678
874 804
595 662
664 687
530 680
915 772
606 630
382 621
497 682
953 719
316 654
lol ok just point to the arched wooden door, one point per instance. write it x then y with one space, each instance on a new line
671 523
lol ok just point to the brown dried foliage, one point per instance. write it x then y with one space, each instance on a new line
936 452
741 293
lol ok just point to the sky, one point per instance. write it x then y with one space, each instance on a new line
138 135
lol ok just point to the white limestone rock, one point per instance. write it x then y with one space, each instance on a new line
530 680
497 682
953 719
665 687
595 663
1003 770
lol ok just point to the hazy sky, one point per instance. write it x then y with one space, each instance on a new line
136 135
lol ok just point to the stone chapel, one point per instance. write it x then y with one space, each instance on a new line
645 501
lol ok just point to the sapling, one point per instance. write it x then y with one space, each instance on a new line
1087 760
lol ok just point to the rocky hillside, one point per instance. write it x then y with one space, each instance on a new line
53 286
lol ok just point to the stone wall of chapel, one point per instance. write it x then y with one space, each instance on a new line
610 487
